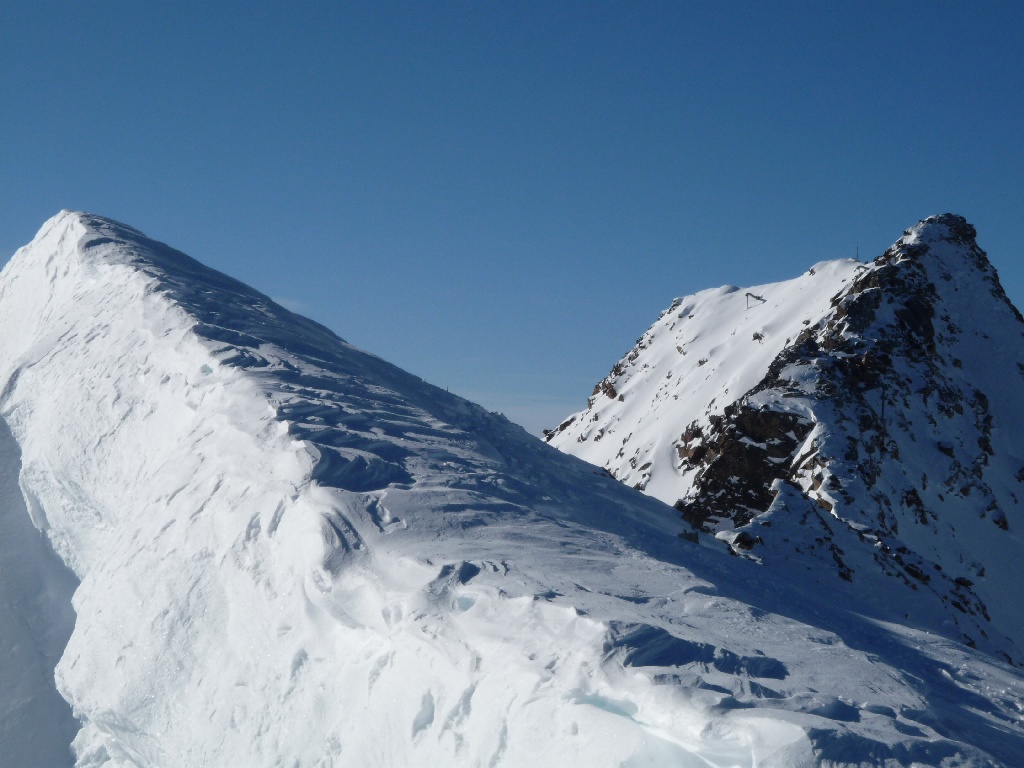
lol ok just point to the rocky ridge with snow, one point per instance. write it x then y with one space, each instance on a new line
862 419
285 551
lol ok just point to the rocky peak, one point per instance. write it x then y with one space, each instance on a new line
880 442
945 227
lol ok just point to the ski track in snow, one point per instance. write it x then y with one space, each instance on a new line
289 552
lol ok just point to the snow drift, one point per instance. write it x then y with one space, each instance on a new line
287 552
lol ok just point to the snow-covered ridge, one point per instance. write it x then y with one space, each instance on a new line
860 419
291 552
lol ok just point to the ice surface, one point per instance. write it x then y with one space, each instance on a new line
291 553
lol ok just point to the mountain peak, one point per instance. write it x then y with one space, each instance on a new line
860 420
945 249
943 227
73 234
68 219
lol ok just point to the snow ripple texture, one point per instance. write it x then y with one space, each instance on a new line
287 552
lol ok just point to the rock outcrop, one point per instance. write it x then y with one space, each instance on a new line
883 441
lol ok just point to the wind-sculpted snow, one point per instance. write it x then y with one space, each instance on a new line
291 553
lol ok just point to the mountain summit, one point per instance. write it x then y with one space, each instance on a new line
861 419
282 550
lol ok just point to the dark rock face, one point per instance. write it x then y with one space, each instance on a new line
851 355
745 452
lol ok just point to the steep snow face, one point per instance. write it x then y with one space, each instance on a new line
861 418
292 553
36 619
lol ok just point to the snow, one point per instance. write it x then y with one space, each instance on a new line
36 724
666 387
288 552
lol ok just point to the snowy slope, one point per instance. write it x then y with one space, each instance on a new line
289 552
862 419
36 620
704 353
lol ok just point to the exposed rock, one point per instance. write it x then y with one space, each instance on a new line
886 412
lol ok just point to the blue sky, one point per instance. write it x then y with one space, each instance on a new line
500 197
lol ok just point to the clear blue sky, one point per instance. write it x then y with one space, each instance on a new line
500 197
